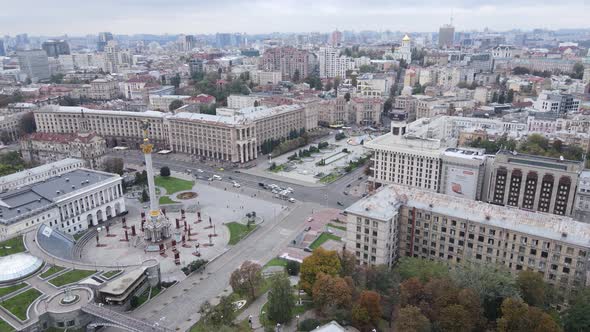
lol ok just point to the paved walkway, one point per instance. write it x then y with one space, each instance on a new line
254 311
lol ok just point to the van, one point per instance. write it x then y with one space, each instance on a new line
216 177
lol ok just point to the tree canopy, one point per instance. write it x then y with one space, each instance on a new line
320 261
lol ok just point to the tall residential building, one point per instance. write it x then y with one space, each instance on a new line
446 36
55 48
22 42
288 60
2 48
223 40
187 43
34 63
533 182
336 38
112 60
195 65
103 39
400 221
332 64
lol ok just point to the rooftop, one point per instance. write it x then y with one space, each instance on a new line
383 205
17 204
39 170
88 111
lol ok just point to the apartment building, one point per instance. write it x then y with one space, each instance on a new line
243 101
366 111
104 89
117 127
288 61
217 137
374 85
332 64
556 102
404 221
582 205
162 102
534 183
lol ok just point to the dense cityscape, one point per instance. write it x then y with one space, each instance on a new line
347 179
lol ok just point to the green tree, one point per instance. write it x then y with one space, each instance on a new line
293 267
175 104
423 269
347 97
578 71
296 76
165 171
576 317
320 260
410 319
280 299
331 292
27 124
533 288
360 317
371 301
510 96
145 197
247 279
175 80
114 165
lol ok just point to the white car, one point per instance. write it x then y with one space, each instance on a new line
290 189
216 177
200 170
236 185
292 200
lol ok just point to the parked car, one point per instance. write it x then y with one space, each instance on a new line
199 170
261 184
292 200
339 203
236 185
348 185
310 219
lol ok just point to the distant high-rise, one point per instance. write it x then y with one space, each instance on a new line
103 39
336 38
55 48
288 60
187 42
22 41
34 63
446 36
2 50
223 40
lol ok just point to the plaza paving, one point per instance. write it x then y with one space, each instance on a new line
218 201
306 169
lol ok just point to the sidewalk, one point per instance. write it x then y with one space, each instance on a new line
254 311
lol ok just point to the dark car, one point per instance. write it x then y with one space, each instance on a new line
339 203
348 185
261 184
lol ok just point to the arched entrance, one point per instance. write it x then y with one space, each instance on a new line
99 216
117 209
109 212
89 220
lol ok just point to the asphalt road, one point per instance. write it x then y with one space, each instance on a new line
328 195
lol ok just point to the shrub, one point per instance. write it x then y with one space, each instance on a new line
309 324
293 267
194 266
165 171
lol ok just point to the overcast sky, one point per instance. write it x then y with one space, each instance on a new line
79 17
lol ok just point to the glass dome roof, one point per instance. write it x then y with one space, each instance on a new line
18 266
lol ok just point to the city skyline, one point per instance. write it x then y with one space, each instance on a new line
181 16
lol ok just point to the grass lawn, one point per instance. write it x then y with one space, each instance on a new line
51 271
329 178
5 327
340 227
322 239
167 200
7 290
173 185
237 231
110 274
277 169
18 305
15 245
144 297
276 262
70 277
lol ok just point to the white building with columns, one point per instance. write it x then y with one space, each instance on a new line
71 202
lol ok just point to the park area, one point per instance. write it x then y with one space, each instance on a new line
12 246
19 304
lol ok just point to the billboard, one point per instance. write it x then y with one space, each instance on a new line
461 182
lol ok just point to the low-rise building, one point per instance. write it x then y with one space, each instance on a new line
582 205
104 89
70 202
43 148
39 174
243 101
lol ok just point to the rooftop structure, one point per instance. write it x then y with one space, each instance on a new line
18 266
39 173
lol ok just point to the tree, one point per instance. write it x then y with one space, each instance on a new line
518 316
347 97
145 197
165 171
141 178
510 96
5 137
410 319
455 318
280 299
247 279
256 103
360 317
222 314
328 86
411 292
491 283
371 301
423 269
175 104
320 260
27 124
532 288
578 71
520 71
347 263
387 105
175 80
296 76
331 292
293 267
114 165
576 317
